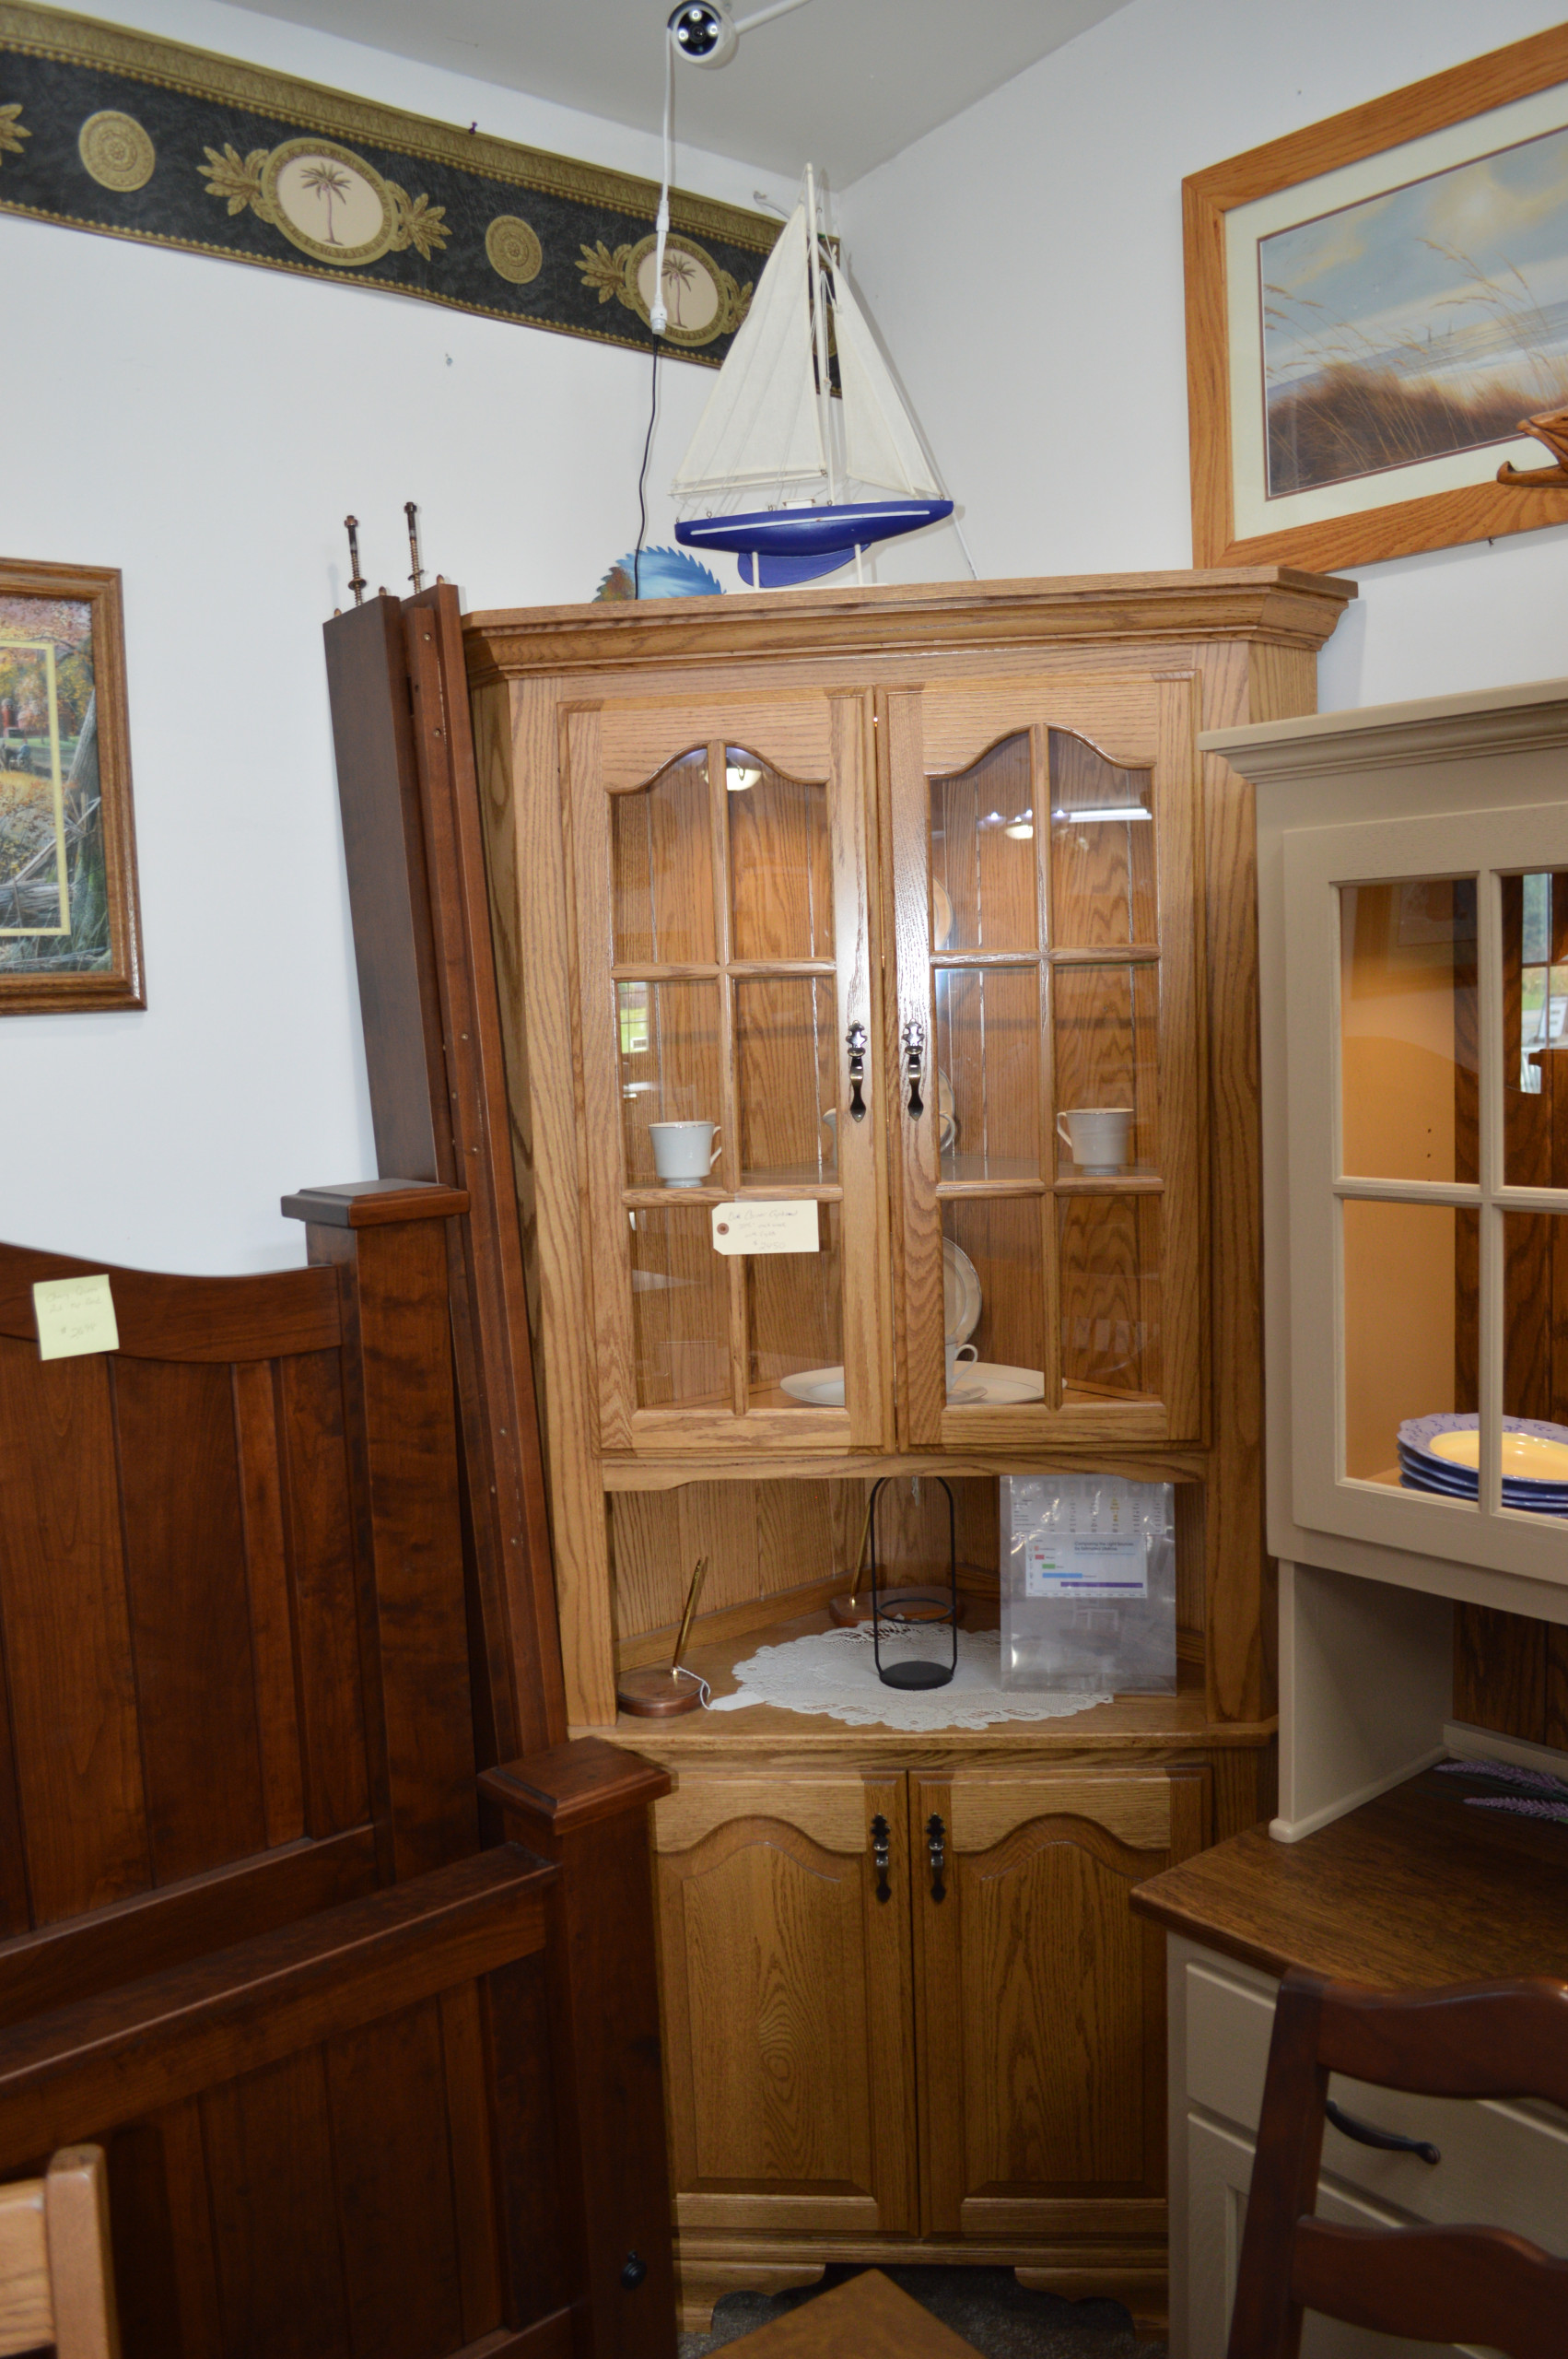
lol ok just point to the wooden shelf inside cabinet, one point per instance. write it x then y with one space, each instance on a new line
1140 1725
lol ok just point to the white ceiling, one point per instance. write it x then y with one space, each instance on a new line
844 84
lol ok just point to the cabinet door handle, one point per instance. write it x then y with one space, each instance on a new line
855 1042
915 1063
881 1852
1388 2140
936 1853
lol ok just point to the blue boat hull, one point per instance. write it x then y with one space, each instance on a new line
779 547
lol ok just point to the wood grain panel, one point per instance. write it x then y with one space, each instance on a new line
1039 2002
190 1614
272 1636
1500 1671
640 736
780 858
192 2261
473 2186
966 723
645 1528
68 1638
540 2242
776 1954
1136 1810
324 1577
273 2218
830 1811
386 2102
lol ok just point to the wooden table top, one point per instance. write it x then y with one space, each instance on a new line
866 2318
1410 1891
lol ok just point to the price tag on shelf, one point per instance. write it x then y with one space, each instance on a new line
781 1225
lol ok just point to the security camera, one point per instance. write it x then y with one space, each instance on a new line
704 31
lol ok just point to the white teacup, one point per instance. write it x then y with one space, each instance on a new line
684 1153
956 1351
1096 1136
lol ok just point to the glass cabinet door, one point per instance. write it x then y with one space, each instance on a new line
1427 976
1047 1085
735 1175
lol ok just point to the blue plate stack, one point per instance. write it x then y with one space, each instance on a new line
1421 1469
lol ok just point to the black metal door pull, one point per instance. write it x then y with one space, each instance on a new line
915 1063
936 1853
855 1040
1388 2140
881 1854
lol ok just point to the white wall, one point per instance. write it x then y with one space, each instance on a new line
206 425
1024 265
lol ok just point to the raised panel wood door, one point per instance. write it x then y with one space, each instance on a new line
1040 1996
786 1994
1044 852
728 1015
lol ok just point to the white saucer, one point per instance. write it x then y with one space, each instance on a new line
820 1387
989 1384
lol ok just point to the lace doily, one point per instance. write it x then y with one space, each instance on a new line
833 1672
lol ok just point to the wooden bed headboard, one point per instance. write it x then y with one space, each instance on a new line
250 1941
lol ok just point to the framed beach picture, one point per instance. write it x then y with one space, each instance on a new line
69 921
1372 307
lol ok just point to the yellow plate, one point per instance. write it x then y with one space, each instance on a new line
1526 1457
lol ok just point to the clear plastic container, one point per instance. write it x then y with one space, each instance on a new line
1088 1584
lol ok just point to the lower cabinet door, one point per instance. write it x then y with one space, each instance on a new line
785 1981
1040 1996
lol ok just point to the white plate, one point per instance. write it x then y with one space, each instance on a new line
941 916
961 1298
989 1384
821 1388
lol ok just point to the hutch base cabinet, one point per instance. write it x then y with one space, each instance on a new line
823 923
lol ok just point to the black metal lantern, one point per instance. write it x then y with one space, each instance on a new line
916 1675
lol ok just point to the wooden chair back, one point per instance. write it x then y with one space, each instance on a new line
1443 2285
55 2281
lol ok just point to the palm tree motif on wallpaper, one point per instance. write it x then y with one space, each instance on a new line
679 274
327 183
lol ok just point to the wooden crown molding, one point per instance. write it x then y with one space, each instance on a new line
1265 602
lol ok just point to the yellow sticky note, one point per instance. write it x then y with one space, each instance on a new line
75 1315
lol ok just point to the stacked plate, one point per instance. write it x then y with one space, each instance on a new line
1441 1454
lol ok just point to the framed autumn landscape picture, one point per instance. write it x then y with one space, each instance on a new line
69 920
1373 306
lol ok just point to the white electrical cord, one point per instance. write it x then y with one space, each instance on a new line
657 315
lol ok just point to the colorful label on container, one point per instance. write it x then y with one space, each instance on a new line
1086 1563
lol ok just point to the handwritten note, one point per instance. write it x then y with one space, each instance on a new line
782 1225
75 1315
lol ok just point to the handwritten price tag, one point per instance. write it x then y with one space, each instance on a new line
779 1226
75 1315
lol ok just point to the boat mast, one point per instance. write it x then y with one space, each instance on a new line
819 339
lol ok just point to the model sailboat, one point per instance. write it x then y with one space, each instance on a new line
803 480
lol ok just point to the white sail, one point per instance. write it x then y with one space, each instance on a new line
881 446
760 425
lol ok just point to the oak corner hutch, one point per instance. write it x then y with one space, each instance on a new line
866 888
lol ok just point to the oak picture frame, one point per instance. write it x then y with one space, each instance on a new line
67 797
1481 510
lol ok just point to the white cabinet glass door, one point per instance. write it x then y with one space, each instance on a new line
1427 977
